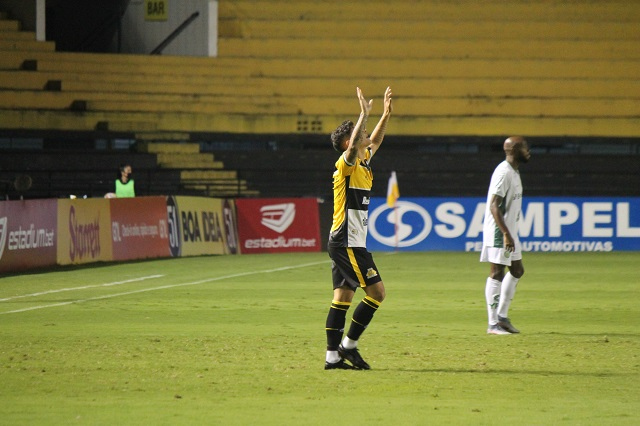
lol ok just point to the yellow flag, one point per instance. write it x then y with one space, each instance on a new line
393 193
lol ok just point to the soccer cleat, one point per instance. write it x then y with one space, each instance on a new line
496 329
506 324
340 365
353 356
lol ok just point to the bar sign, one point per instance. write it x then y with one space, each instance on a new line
156 10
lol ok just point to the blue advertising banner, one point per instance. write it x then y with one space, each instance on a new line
547 224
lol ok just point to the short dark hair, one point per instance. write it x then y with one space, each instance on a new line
341 133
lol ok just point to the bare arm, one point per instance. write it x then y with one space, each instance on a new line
496 200
357 136
378 133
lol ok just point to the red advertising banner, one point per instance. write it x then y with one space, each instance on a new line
277 225
139 228
28 236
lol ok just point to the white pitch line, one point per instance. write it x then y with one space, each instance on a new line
60 290
143 290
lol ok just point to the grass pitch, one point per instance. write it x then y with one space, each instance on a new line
237 340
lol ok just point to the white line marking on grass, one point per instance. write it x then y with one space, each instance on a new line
143 290
60 290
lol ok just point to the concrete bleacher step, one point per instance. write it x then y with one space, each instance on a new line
234 106
171 84
35 120
188 161
326 68
218 67
9 25
331 105
336 86
216 184
431 29
439 86
151 146
18 35
432 49
26 46
208 174
222 188
410 106
463 10
170 63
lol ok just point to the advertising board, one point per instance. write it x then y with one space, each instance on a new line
547 224
277 225
84 231
139 228
198 225
28 234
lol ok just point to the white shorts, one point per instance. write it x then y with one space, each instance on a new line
500 255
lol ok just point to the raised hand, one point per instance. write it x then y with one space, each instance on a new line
365 106
388 106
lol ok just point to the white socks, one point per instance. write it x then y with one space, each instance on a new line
348 343
492 295
507 292
332 357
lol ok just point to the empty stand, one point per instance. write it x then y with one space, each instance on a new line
550 68
199 172
463 68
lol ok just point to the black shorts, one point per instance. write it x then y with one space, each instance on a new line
353 267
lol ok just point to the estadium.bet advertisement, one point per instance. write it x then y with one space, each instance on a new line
547 224
278 225
44 233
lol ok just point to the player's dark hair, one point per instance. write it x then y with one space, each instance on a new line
341 133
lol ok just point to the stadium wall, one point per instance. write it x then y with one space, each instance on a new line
44 233
49 232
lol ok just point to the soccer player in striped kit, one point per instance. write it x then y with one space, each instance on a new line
352 265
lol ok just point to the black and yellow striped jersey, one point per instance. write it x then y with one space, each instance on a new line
351 193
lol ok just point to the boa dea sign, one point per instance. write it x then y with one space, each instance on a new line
546 224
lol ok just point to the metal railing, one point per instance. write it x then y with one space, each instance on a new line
158 50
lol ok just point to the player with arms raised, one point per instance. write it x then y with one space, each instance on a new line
352 265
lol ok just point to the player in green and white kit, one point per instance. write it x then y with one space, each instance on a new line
500 245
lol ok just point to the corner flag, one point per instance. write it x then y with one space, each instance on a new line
393 193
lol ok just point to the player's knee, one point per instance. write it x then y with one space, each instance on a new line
497 275
517 272
377 292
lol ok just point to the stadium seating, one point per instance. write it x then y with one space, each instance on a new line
62 172
544 68
199 172
466 68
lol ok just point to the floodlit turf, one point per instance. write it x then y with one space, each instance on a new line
239 340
